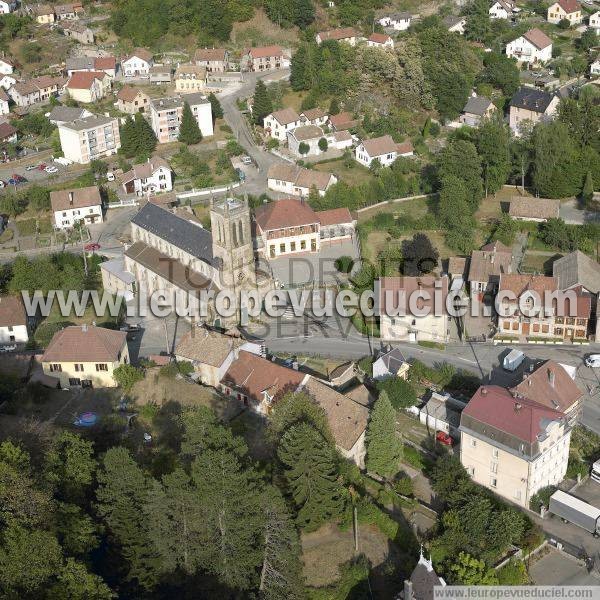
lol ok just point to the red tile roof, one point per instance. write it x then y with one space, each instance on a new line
252 375
12 311
83 80
538 38
379 38
85 344
128 93
334 216
341 33
288 212
265 51
426 283
551 386
520 417
6 130
569 6
519 284
105 63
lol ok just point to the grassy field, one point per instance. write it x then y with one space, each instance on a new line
260 31
536 263
355 175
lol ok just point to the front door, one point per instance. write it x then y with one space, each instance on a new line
525 328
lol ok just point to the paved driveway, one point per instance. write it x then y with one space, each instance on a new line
572 214
558 568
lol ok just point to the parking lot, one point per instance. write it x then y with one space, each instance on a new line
36 175
558 568
589 491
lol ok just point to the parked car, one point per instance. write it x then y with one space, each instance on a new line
2 184
512 361
31 168
110 176
593 361
246 160
42 166
443 438
92 247
51 169
8 348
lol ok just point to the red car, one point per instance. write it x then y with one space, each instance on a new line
443 438
91 247
42 166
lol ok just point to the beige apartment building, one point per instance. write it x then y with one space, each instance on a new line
166 113
85 356
87 139
512 445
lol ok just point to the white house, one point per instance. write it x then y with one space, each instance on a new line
79 204
398 21
155 175
13 320
455 24
348 35
594 22
278 123
532 47
383 148
7 6
4 98
502 9
6 66
137 64
7 81
565 10
314 116
595 67
380 40
390 364
298 181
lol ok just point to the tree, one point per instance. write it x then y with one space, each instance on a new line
121 496
127 376
478 20
455 212
587 193
564 24
588 39
232 516
419 254
217 109
75 582
556 167
501 72
28 559
460 159
468 570
293 408
323 144
334 107
311 473
70 465
384 446
492 142
262 105
189 132
281 571
38 197
146 140
303 148
400 393
215 19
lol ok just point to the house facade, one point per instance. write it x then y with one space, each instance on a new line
79 204
476 109
132 100
38 90
279 123
565 10
8 133
137 64
486 266
293 180
7 6
4 100
6 66
14 323
44 14
502 9
90 138
383 149
290 226
512 445
399 321
88 86
594 22
529 106
85 356
166 113
380 40
190 78
348 35
77 31
534 46
397 21
265 58
214 60
153 176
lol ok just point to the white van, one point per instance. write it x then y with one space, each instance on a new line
513 360
593 361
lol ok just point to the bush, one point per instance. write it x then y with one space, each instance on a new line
399 391
404 486
542 497
514 573
344 264
365 364
127 376
43 334
272 144
370 513
564 24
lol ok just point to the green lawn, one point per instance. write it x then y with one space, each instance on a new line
355 175
26 227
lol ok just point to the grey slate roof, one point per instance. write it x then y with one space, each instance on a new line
577 269
477 105
179 232
393 360
65 113
89 122
79 63
531 99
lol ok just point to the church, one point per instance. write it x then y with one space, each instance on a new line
172 252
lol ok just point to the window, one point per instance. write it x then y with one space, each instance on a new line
494 467
473 443
55 368
494 482
471 471
495 452
293 246
281 247
101 367
303 245
517 494
78 367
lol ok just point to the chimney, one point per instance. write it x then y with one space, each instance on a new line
492 257
518 406
484 390
70 198
408 591
551 376
84 328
